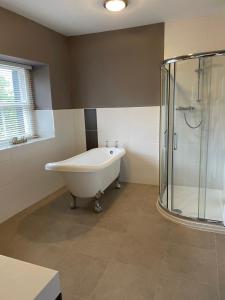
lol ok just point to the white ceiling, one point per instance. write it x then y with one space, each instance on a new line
73 17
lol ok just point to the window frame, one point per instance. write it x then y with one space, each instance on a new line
25 102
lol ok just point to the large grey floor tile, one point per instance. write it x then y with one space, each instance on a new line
220 248
147 226
44 254
135 199
8 234
190 263
191 237
98 242
222 291
125 282
79 274
178 289
145 252
116 222
25 250
49 229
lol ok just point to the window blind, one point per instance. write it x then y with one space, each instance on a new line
16 102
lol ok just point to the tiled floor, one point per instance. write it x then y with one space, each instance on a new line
129 252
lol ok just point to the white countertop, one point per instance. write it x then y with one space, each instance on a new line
24 281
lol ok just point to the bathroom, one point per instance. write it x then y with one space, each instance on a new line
134 86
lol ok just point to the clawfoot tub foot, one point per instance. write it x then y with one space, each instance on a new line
98 203
73 203
118 185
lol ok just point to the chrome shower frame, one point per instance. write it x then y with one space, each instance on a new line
197 223
192 56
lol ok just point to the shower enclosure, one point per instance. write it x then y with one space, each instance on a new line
192 137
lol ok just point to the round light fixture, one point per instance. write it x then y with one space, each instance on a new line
115 5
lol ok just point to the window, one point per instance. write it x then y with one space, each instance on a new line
16 103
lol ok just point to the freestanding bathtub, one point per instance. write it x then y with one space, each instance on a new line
90 173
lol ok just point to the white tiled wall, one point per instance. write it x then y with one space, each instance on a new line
23 180
44 120
136 129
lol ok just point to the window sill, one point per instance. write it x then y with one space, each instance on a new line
31 141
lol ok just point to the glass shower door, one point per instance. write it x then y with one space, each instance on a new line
164 137
187 111
212 199
192 137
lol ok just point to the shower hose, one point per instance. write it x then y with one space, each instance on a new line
192 127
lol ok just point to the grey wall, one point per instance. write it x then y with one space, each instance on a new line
117 68
111 69
20 37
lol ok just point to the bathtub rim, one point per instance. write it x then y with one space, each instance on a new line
58 167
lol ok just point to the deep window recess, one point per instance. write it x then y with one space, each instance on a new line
16 104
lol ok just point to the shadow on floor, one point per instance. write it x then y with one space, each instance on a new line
56 222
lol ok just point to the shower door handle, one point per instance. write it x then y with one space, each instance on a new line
165 139
174 141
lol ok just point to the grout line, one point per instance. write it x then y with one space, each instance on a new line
100 278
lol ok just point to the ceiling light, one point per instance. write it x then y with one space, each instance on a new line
115 5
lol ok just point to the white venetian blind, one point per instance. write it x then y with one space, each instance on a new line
16 102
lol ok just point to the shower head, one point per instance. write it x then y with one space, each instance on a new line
185 108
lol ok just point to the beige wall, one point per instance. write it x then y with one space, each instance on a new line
194 35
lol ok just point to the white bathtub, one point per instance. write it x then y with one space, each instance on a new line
91 172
